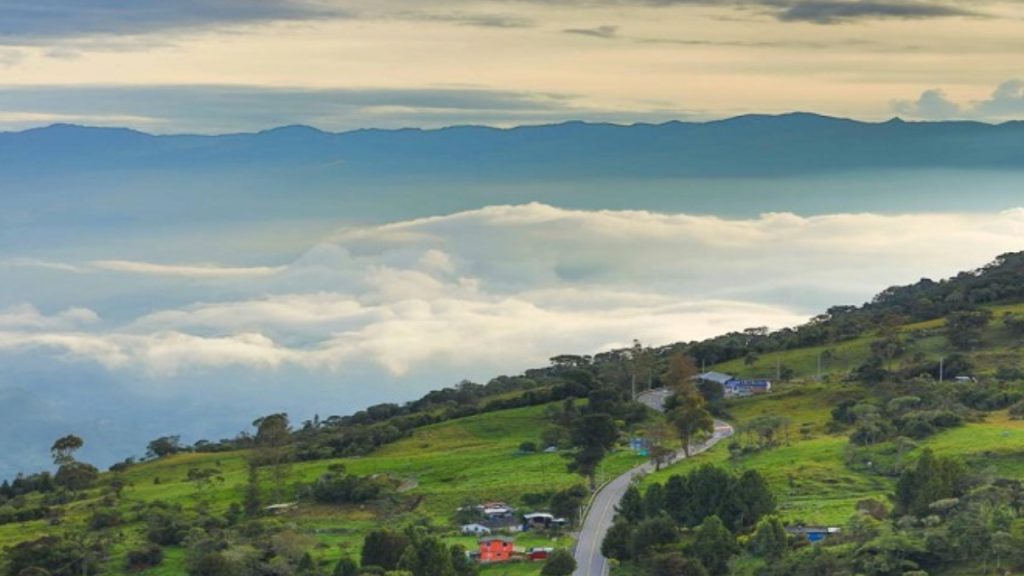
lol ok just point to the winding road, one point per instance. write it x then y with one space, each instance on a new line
589 561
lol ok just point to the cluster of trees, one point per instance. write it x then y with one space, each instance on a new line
885 422
689 524
943 515
337 487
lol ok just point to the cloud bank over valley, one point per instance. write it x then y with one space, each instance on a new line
385 312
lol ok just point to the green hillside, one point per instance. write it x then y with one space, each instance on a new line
862 399
442 466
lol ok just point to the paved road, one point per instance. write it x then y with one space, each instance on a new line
589 561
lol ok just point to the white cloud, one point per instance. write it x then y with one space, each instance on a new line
503 288
1005 103
26 316
183 270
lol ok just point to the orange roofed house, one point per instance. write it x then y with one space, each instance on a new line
496 549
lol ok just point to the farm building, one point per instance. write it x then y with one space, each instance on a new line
542 520
496 549
734 386
475 529
496 510
813 534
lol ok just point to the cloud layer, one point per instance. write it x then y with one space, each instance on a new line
502 288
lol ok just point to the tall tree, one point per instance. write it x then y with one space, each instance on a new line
691 419
64 449
769 539
384 548
593 435
426 556
681 370
631 509
713 545
273 433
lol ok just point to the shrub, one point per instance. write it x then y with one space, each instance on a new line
147 556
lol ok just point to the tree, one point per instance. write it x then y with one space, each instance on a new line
384 548
964 328
593 435
641 367
769 539
681 370
618 542
932 479
652 534
272 435
64 449
748 499
631 508
559 563
713 545
654 500
426 556
461 562
76 476
164 446
691 419
659 436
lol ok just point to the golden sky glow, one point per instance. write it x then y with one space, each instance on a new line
622 61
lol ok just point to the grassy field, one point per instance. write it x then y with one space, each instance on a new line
807 474
442 466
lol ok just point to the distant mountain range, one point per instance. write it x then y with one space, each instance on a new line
754 145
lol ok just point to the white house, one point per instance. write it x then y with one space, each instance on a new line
475 529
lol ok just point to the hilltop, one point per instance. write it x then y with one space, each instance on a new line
861 395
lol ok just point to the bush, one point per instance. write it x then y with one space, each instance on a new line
147 556
76 476
528 447
105 518
560 563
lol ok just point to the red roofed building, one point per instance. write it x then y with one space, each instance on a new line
496 549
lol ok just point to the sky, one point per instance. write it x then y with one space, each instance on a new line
221 66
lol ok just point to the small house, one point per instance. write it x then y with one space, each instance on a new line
539 554
813 534
749 387
542 520
475 530
734 386
496 549
496 510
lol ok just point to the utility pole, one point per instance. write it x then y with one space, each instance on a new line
942 369
819 366
778 369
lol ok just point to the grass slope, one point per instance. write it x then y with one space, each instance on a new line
443 466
